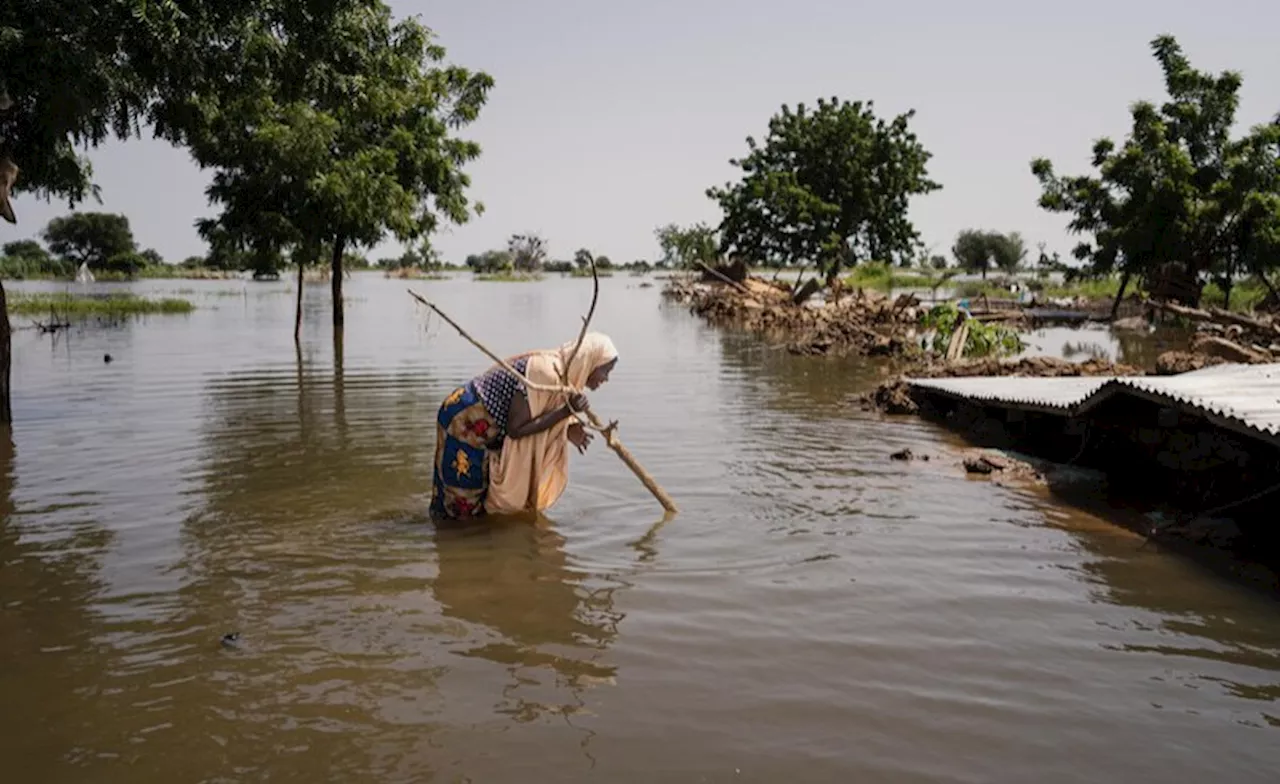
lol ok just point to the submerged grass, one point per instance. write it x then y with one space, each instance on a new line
82 306
586 273
508 277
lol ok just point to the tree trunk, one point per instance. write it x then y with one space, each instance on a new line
1271 289
339 385
1115 306
297 318
335 281
6 348
833 274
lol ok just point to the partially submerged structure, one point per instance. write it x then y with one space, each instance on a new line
1207 442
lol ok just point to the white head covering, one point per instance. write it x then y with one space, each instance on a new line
597 349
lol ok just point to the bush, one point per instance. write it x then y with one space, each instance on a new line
129 263
983 340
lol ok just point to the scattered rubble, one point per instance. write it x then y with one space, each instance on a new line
1040 367
1228 336
862 323
891 397
870 324
1172 363
998 467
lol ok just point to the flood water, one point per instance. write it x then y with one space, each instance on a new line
816 613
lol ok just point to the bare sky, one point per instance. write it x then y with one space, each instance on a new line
609 119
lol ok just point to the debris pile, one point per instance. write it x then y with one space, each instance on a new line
1223 336
861 323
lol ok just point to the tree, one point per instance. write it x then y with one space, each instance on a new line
28 259
979 251
528 252
1179 199
90 237
335 135
25 249
1008 251
490 261
582 258
972 251
684 247
69 80
829 186
78 72
604 262
938 262
128 263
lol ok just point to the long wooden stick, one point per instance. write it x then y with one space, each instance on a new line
505 365
610 433
594 422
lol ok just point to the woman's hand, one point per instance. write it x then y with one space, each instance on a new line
579 437
578 402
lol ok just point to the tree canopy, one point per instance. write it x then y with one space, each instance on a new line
829 186
68 80
978 251
90 238
1179 190
334 135
528 252
684 246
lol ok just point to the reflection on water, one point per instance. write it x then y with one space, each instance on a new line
817 612
529 608
1138 348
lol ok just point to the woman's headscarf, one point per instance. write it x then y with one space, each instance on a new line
596 350
531 473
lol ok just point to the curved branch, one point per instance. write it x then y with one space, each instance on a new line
586 322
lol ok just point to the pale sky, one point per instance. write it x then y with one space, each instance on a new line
609 119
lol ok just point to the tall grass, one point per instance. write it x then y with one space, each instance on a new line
879 276
84 306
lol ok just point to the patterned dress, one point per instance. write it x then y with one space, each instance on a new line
471 421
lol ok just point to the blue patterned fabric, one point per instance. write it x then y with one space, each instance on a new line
496 387
460 480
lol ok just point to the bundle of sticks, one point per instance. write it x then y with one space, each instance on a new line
587 418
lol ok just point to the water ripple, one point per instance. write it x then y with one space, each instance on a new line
815 612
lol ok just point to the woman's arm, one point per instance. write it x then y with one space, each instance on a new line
521 423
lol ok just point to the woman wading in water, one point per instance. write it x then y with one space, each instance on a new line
504 449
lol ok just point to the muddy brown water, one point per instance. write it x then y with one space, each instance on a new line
817 612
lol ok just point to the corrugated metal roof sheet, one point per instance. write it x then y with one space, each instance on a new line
1056 394
1244 397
